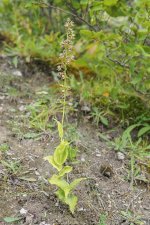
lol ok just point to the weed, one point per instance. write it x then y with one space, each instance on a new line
99 116
138 151
12 166
144 130
144 126
44 109
71 133
131 218
72 136
12 219
6 80
102 219
118 144
13 92
31 135
15 126
124 142
4 147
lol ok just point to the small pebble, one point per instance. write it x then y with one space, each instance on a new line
82 159
37 173
56 204
120 156
85 108
23 211
44 223
81 209
22 108
2 97
17 73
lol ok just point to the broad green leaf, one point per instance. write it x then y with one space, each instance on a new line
76 4
65 170
71 200
96 7
84 2
141 178
9 165
60 183
15 61
87 33
61 195
29 5
11 219
127 132
110 2
143 130
52 162
60 129
75 183
61 153
104 120
6 2
72 152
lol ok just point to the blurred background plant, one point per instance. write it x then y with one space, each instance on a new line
111 72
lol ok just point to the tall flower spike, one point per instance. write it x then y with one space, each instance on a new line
66 56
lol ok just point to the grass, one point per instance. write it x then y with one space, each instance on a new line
102 219
12 166
132 218
137 151
4 147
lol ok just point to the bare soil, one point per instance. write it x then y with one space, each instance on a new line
107 191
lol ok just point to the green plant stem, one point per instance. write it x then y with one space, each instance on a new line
65 94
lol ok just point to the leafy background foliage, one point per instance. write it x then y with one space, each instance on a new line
112 47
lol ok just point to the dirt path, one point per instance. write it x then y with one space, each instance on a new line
107 194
